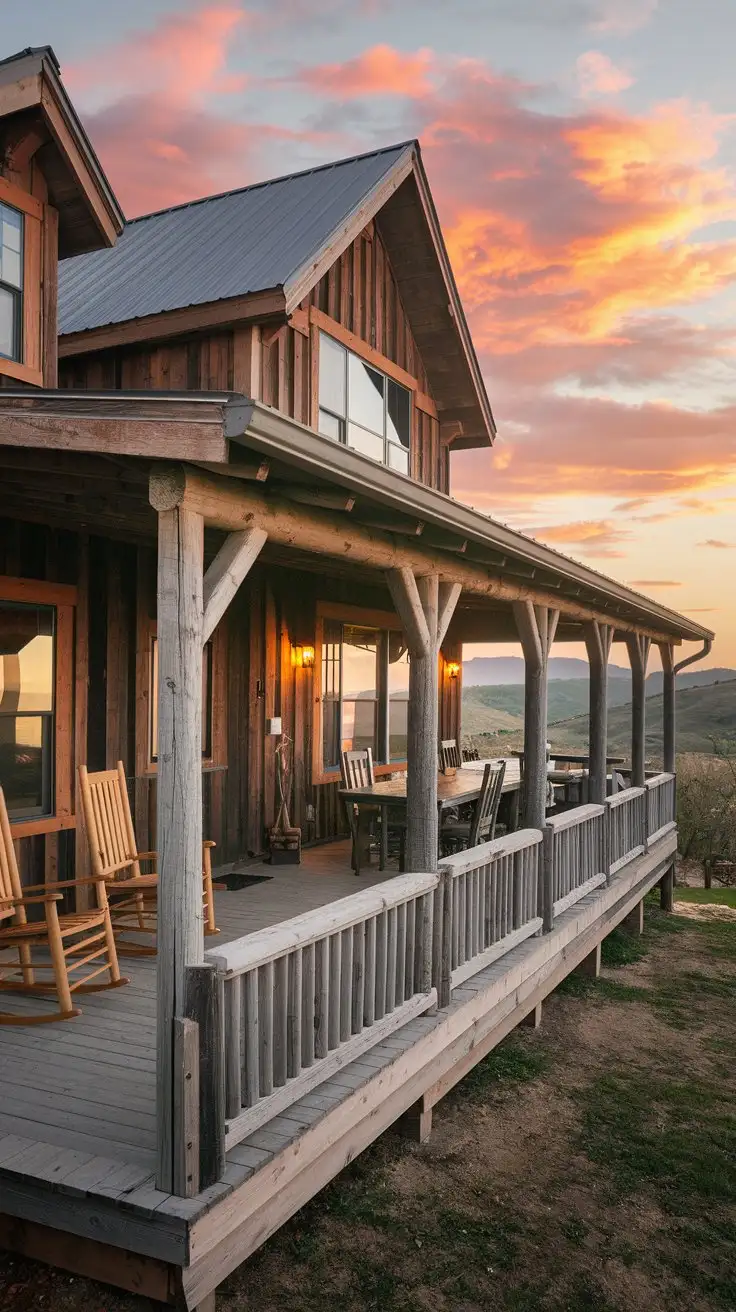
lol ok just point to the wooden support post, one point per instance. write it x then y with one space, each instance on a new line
667 890
204 1003
638 647
598 639
179 797
634 922
534 1019
668 706
186 1107
425 607
537 626
416 1123
591 965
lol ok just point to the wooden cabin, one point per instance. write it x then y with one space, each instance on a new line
228 533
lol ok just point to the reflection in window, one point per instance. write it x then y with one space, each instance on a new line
363 408
365 689
11 282
206 702
27 709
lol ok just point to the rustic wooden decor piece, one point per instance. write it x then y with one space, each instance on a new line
116 860
285 839
74 942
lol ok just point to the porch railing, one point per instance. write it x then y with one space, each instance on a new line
306 997
627 827
575 860
493 892
661 806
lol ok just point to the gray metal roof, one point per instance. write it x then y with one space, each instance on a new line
240 242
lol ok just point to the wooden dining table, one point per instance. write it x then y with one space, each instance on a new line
453 790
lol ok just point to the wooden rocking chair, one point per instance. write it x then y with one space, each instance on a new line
80 942
115 858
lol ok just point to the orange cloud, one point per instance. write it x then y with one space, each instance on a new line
656 583
591 537
599 76
382 70
718 544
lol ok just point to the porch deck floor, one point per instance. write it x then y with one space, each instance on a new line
88 1085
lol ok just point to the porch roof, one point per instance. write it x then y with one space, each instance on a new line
271 460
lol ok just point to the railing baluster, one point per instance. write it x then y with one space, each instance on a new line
294 1015
400 951
391 960
251 1076
346 984
280 1020
308 982
358 992
265 1027
233 1091
381 959
369 988
321 997
333 1028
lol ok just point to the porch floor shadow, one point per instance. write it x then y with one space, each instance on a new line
88 1085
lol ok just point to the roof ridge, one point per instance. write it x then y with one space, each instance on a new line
269 182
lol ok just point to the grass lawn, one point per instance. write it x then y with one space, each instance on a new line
719 897
589 1166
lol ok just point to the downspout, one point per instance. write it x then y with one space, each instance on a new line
669 693
698 656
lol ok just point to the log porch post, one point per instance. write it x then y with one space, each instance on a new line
537 626
666 652
425 607
638 647
598 643
180 930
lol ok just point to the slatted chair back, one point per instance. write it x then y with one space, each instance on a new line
10 886
450 757
110 831
356 767
483 824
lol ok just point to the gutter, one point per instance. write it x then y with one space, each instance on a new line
697 656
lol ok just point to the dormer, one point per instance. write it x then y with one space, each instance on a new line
55 201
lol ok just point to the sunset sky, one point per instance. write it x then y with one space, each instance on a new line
582 154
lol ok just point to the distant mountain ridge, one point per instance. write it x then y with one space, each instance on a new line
487 671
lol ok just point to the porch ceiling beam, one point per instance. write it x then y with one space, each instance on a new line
325 498
225 574
252 471
231 505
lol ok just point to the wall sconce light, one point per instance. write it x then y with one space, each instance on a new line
302 658
453 669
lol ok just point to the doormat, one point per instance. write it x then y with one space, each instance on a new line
234 882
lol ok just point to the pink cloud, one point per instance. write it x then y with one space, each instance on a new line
719 544
599 76
381 70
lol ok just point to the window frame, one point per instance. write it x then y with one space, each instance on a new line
384 621
347 421
216 758
63 598
29 368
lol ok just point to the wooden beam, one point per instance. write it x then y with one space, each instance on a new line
325 498
251 471
229 504
638 648
405 595
233 561
598 644
537 626
180 930
449 595
170 323
117 436
668 707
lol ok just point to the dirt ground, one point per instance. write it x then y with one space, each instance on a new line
588 1165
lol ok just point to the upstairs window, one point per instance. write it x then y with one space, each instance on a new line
11 282
363 408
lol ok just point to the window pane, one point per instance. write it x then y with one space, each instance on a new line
368 444
330 426
398 692
11 267
26 764
359 687
8 321
398 414
12 227
331 640
398 458
359 726
332 359
26 658
365 396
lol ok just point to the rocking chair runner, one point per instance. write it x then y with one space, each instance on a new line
116 860
81 942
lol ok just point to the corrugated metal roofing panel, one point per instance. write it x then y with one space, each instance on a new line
230 245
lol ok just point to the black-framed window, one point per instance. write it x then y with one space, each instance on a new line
362 407
206 702
11 282
27 708
365 692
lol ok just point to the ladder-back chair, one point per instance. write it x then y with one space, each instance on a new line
356 769
450 757
482 826
114 855
77 948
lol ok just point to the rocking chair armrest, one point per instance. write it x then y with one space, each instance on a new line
29 901
208 842
146 856
66 883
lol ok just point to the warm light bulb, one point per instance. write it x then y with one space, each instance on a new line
453 669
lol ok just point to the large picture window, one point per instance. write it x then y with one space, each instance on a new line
11 282
365 692
362 407
27 708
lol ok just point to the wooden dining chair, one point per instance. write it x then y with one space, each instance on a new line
114 855
76 949
450 756
483 824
